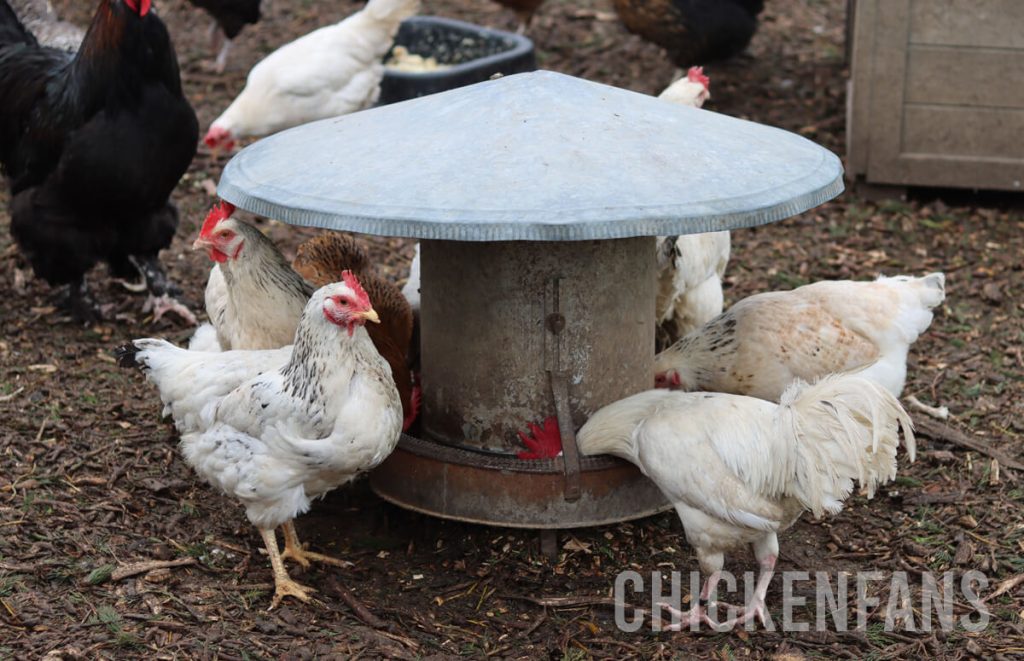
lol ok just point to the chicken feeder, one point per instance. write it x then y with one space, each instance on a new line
536 197
466 54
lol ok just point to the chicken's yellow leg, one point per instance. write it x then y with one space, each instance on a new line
284 586
294 550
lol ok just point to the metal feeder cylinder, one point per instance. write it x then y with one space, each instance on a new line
536 197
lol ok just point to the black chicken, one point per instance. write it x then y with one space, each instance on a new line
231 16
93 143
693 31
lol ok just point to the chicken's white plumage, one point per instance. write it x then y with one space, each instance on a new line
411 289
321 412
691 268
192 382
293 433
740 469
253 298
763 343
331 71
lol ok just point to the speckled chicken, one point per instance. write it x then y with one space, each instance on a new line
321 259
253 297
288 435
766 341
693 31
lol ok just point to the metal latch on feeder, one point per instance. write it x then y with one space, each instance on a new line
554 323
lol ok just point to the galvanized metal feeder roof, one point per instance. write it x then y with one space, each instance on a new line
569 328
536 156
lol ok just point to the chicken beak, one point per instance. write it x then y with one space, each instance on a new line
201 244
370 315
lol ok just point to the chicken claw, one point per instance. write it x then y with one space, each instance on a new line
690 619
287 587
161 305
284 585
296 550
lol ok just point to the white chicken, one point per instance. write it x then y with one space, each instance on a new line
739 470
288 435
766 341
253 296
411 289
690 272
690 266
194 380
329 72
693 89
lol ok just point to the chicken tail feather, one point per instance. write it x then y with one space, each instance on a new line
842 429
126 356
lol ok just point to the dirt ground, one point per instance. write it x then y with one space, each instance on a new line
91 482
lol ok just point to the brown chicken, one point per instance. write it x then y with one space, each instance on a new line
322 259
524 9
693 31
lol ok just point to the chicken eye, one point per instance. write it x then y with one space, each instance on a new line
343 301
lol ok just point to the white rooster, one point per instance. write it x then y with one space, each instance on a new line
766 341
286 436
690 266
739 470
253 296
329 72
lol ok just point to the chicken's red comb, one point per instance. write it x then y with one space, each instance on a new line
218 213
350 279
543 442
696 75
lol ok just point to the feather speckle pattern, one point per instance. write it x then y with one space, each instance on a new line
766 341
277 428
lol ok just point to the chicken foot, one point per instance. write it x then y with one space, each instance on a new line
698 613
163 292
295 550
161 305
80 303
756 607
221 63
284 586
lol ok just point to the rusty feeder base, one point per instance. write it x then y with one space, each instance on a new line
491 489
512 333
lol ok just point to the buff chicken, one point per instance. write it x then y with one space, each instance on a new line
321 259
766 341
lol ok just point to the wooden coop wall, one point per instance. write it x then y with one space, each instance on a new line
936 95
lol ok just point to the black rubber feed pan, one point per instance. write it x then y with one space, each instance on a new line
473 53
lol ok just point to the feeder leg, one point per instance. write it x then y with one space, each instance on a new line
549 544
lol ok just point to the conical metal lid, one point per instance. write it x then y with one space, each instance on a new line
533 156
